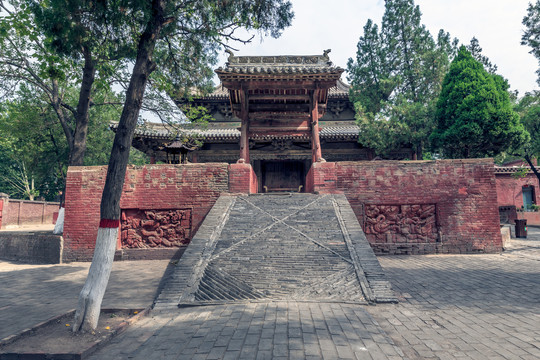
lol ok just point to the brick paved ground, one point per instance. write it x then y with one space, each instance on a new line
471 307
30 294
266 330
467 306
452 307
292 246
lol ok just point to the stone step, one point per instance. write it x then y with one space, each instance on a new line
296 246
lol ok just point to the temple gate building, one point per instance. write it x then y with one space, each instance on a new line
284 124
280 114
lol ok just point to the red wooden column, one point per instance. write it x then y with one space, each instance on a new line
316 154
244 139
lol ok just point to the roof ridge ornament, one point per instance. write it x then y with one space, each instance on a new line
231 55
325 54
326 57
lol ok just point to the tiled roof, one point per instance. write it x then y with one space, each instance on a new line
222 93
340 90
158 131
339 131
279 70
281 65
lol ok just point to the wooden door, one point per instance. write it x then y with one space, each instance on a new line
282 175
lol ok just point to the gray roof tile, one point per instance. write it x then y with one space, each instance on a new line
159 131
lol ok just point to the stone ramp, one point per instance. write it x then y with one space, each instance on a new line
292 246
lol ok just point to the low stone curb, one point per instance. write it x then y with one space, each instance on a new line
84 353
261 301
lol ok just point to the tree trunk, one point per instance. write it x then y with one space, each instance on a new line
56 103
535 171
89 304
419 152
32 191
76 156
76 139
59 226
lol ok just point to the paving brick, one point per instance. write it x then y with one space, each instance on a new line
467 306
470 307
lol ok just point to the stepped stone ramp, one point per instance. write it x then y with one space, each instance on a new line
291 246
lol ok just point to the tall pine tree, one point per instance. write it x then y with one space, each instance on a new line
396 79
531 35
474 114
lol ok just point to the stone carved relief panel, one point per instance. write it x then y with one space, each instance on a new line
143 229
401 223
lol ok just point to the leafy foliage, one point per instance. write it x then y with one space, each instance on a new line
34 148
396 79
474 114
33 145
531 35
370 75
476 52
528 109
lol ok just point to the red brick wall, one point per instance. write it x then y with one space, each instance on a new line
532 217
460 195
15 213
191 186
509 193
322 178
463 192
242 179
509 189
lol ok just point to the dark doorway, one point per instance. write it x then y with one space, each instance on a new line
528 197
279 176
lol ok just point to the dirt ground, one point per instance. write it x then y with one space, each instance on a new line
57 336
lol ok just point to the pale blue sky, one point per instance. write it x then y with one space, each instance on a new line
337 24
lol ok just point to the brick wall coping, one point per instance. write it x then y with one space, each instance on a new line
138 167
35 202
511 169
416 162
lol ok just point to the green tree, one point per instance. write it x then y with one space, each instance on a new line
14 178
531 35
528 106
174 45
27 129
474 114
476 52
370 76
528 109
52 68
396 79
34 141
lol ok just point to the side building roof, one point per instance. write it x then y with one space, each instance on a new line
157 131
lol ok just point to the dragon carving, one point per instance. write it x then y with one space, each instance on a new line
155 228
401 223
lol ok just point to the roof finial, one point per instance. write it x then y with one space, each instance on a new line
231 55
325 54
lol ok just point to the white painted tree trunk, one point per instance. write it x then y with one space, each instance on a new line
59 226
91 296
89 306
